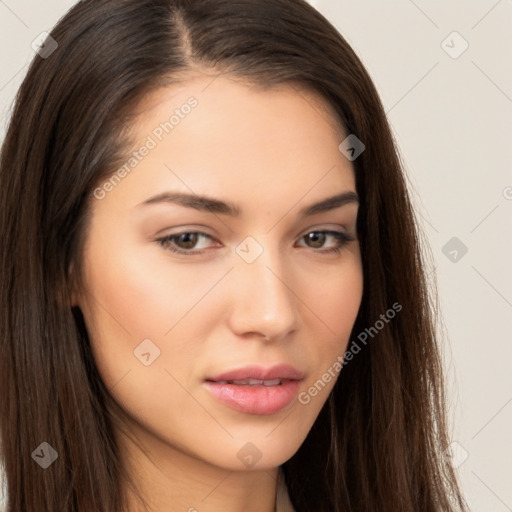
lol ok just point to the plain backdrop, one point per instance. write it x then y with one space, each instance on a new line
444 73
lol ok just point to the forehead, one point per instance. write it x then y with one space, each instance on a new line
230 112
207 86
213 134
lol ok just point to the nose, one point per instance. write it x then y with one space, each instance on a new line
263 301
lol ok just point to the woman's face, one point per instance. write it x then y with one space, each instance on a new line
261 278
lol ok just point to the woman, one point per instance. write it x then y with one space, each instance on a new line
213 295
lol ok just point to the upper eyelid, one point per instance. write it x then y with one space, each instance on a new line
328 226
329 231
304 232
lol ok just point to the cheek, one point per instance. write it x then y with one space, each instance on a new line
132 307
143 295
133 297
335 300
337 303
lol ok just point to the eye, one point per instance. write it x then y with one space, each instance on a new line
318 239
183 243
186 242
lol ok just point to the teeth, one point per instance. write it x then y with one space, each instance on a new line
256 382
250 382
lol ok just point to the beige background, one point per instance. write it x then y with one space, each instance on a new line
451 115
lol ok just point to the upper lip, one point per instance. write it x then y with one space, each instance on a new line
278 371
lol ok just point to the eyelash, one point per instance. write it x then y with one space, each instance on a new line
340 236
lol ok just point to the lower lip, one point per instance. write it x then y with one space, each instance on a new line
255 399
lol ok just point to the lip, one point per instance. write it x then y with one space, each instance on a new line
256 399
278 371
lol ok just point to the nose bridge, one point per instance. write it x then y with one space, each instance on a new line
263 300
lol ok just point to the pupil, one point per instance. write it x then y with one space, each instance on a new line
317 238
190 240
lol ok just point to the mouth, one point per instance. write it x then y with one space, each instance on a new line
251 382
256 390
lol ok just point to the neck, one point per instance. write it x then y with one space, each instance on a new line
170 480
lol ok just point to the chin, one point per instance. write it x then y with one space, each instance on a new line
259 450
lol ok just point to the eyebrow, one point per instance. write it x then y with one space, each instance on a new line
209 204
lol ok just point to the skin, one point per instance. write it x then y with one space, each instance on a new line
271 152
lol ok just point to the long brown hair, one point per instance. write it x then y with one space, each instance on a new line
378 442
